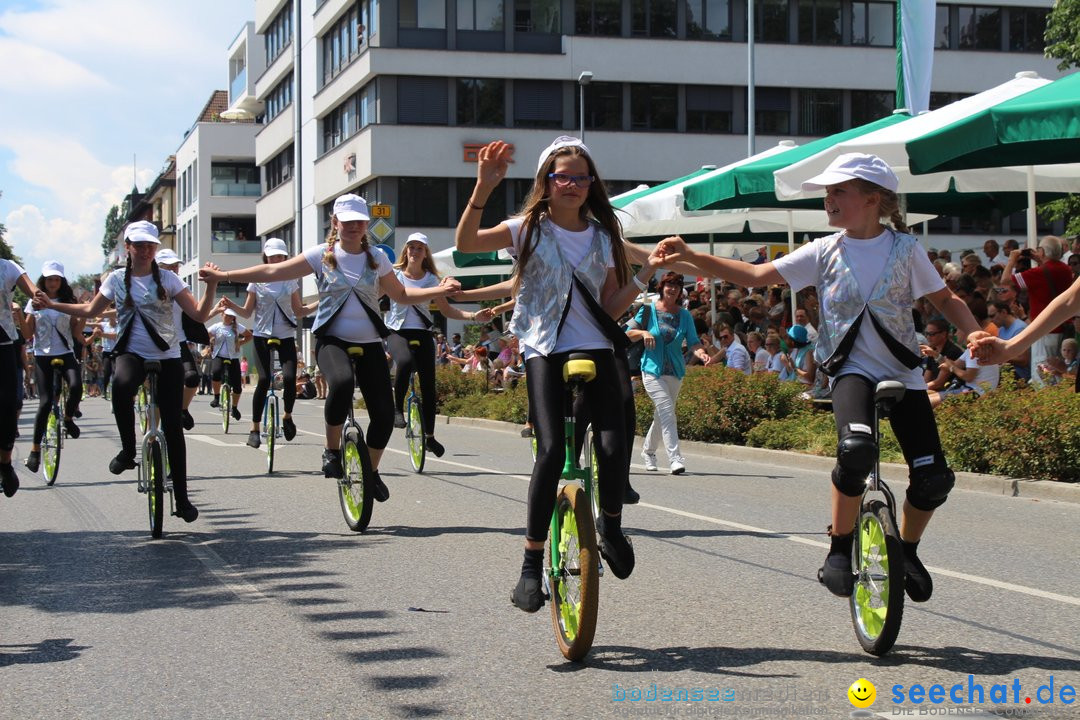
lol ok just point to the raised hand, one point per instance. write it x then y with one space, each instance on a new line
493 161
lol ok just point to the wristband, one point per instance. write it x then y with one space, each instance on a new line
475 207
640 285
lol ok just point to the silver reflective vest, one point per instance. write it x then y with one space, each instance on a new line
267 305
335 286
44 322
157 313
7 321
842 302
399 311
545 286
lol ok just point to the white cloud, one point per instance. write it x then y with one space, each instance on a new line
76 242
43 71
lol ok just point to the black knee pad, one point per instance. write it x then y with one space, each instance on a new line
856 453
929 485
191 379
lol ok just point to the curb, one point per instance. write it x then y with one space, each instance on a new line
892 472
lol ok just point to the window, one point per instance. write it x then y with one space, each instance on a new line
423 101
278 33
870 105
653 106
341 43
652 18
603 106
481 102
284 233
771 21
942 28
422 14
708 19
494 209
1026 28
234 235
424 202
538 104
820 112
278 99
598 17
708 109
350 117
980 27
234 179
280 168
193 181
873 23
479 15
772 111
819 22
537 16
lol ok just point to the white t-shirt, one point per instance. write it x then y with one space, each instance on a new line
223 338
139 341
282 328
775 363
990 374
738 357
351 323
108 327
47 327
580 330
412 317
761 359
870 356
9 275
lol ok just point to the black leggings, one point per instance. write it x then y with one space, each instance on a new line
419 359
9 389
370 372
106 368
43 375
547 397
129 375
219 368
191 368
626 397
263 364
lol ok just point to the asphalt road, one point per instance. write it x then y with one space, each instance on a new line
268 606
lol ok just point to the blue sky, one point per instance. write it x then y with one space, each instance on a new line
87 85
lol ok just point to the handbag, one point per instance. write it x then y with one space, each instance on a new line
636 350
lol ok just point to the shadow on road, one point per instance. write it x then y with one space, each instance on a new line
46 651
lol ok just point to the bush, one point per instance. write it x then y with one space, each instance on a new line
467 395
814 434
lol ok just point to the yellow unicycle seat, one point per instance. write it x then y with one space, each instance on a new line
355 350
579 366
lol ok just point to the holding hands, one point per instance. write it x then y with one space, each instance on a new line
450 286
673 249
211 274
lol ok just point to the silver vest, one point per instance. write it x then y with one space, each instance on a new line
335 287
156 312
842 302
44 322
7 321
546 284
399 311
267 304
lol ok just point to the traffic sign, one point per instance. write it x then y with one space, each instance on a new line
382 211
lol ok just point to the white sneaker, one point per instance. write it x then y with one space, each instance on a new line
677 468
650 461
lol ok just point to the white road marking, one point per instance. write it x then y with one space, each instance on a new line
210 440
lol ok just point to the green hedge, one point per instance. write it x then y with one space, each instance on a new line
1012 431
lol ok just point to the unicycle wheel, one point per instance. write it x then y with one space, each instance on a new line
414 430
877 603
355 489
574 577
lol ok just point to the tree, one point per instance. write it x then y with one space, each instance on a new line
113 225
5 250
1063 42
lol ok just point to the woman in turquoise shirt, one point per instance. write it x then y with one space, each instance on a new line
664 326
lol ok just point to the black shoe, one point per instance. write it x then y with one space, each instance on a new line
331 464
9 480
186 511
399 419
630 496
288 427
215 403
836 573
917 581
235 413
528 595
189 422
615 547
379 491
527 432
434 446
33 460
120 463
72 428
78 414
253 439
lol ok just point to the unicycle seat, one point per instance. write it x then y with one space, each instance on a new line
888 393
580 367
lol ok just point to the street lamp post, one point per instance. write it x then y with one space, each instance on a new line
583 79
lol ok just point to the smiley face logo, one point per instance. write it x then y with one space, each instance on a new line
862 693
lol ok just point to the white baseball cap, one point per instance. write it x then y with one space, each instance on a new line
53 268
230 312
274 246
351 207
166 256
141 231
560 142
417 237
850 166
